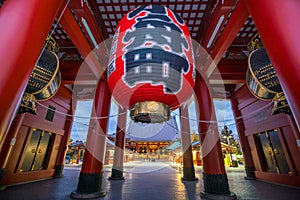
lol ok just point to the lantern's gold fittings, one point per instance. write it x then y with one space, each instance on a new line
150 112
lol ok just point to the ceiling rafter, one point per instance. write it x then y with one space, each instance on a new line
216 22
69 73
82 11
229 72
232 28
94 8
70 25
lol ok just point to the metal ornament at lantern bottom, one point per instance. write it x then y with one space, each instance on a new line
150 112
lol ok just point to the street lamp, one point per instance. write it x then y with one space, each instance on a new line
227 134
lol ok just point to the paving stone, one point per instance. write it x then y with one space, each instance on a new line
148 181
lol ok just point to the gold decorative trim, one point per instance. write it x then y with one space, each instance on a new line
51 44
280 104
57 85
256 88
252 82
27 104
255 43
52 86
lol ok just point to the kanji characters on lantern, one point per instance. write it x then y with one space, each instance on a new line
151 63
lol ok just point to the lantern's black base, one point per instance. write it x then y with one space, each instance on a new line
208 196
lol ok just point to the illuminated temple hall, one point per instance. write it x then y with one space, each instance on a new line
163 63
152 145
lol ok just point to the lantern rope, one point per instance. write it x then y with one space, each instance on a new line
122 129
77 122
199 121
236 118
81 117
168 123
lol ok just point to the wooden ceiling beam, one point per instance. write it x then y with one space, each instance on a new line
97 15
232 66
234 24
216 22
82 12
228 80
76 35
76 72
229 71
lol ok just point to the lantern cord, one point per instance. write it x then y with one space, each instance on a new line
106 135
60 16
77 122
202 121
124 129
237 118
120 130
81 117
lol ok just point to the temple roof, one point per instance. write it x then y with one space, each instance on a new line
174 145
143 132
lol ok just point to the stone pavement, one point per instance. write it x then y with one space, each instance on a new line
148 180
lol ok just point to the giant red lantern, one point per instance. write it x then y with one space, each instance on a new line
151 67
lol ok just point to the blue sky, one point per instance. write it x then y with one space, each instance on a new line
80 125
224 114
81 120
83 111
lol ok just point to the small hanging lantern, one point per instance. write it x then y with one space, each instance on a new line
151 66
261 77
44 80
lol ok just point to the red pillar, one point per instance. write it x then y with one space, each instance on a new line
60 161
24 29
214 175
187 155
279 27
117 169
90 179
248 162
294 128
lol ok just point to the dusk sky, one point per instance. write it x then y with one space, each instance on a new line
83 111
